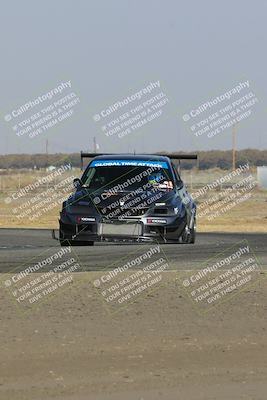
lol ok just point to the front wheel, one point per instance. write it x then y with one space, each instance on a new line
64 243
189 234
68 242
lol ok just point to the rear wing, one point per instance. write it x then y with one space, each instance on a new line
180 157
171 156
92 155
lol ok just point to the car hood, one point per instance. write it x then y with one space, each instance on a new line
83 201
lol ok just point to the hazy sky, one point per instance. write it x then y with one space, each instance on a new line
111 49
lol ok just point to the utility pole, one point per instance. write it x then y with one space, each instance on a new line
46 151
94 144
234 147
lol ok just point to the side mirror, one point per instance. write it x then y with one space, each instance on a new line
77 183
180 184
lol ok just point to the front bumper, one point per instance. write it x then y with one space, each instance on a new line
144 229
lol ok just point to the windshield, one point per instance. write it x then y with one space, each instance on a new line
119 176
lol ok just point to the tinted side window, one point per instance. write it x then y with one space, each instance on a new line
177 176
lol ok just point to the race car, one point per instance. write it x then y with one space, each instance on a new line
123 197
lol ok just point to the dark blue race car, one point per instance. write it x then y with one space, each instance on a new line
126 197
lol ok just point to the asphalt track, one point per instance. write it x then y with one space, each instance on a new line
158 347
18 246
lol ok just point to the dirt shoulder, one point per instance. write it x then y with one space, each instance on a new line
158 347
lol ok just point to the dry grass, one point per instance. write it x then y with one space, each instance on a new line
248 216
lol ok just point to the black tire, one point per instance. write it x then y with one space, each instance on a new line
73 243
64 243
184 236
192 234
68 242
189 235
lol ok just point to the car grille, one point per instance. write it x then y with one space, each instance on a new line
137 212
85 228
161 211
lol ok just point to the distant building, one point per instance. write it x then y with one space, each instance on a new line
50 168
262 176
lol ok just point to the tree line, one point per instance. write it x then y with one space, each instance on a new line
206 159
